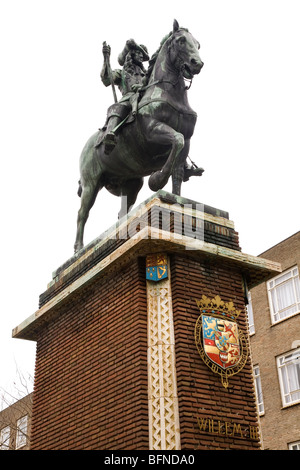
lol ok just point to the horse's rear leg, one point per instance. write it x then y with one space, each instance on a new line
178 171
88 197
130 190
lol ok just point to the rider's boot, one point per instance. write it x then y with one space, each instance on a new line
109 139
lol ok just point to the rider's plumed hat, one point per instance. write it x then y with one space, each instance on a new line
131 45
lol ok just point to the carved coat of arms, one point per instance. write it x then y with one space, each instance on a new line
219 340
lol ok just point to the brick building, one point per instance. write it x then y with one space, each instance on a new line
274 318
15 425
117 365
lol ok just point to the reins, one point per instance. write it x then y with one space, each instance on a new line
144 88
188 81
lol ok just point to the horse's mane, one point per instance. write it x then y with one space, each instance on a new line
153 59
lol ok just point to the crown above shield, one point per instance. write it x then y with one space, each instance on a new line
217 305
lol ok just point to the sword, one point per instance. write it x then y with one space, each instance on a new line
110 74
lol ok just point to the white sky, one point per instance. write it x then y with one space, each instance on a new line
247 136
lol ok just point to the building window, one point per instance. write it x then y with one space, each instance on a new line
258 390
289 377
21 432
250 315
294 446
4 438
284 295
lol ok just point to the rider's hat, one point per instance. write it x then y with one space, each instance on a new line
131 45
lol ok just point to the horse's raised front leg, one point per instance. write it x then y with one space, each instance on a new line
162 134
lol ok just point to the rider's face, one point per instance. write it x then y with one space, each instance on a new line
138 57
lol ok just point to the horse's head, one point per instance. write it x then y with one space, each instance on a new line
184 52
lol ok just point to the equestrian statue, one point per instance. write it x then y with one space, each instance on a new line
148 131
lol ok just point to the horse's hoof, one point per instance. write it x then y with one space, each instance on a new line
78 247
157 181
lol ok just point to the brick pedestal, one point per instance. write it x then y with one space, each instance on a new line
117 363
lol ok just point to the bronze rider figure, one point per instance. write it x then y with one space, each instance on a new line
129 80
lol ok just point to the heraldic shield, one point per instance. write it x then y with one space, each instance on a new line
219 340
156 267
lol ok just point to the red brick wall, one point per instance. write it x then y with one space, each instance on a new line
91 364
200 391
91 369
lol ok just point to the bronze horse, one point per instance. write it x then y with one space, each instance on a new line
156 143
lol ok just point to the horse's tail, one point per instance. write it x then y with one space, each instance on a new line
79 192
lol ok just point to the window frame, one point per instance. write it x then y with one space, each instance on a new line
250 315
4 446
280 314
294 444
285 378
21 437
258 390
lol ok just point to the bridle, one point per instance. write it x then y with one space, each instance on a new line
179 63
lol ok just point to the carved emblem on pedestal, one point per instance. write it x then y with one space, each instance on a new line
156 267
220 342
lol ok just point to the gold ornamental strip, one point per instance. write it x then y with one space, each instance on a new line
164 432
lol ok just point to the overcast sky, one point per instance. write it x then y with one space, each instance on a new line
52 99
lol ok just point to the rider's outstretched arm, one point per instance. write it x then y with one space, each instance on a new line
107 75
